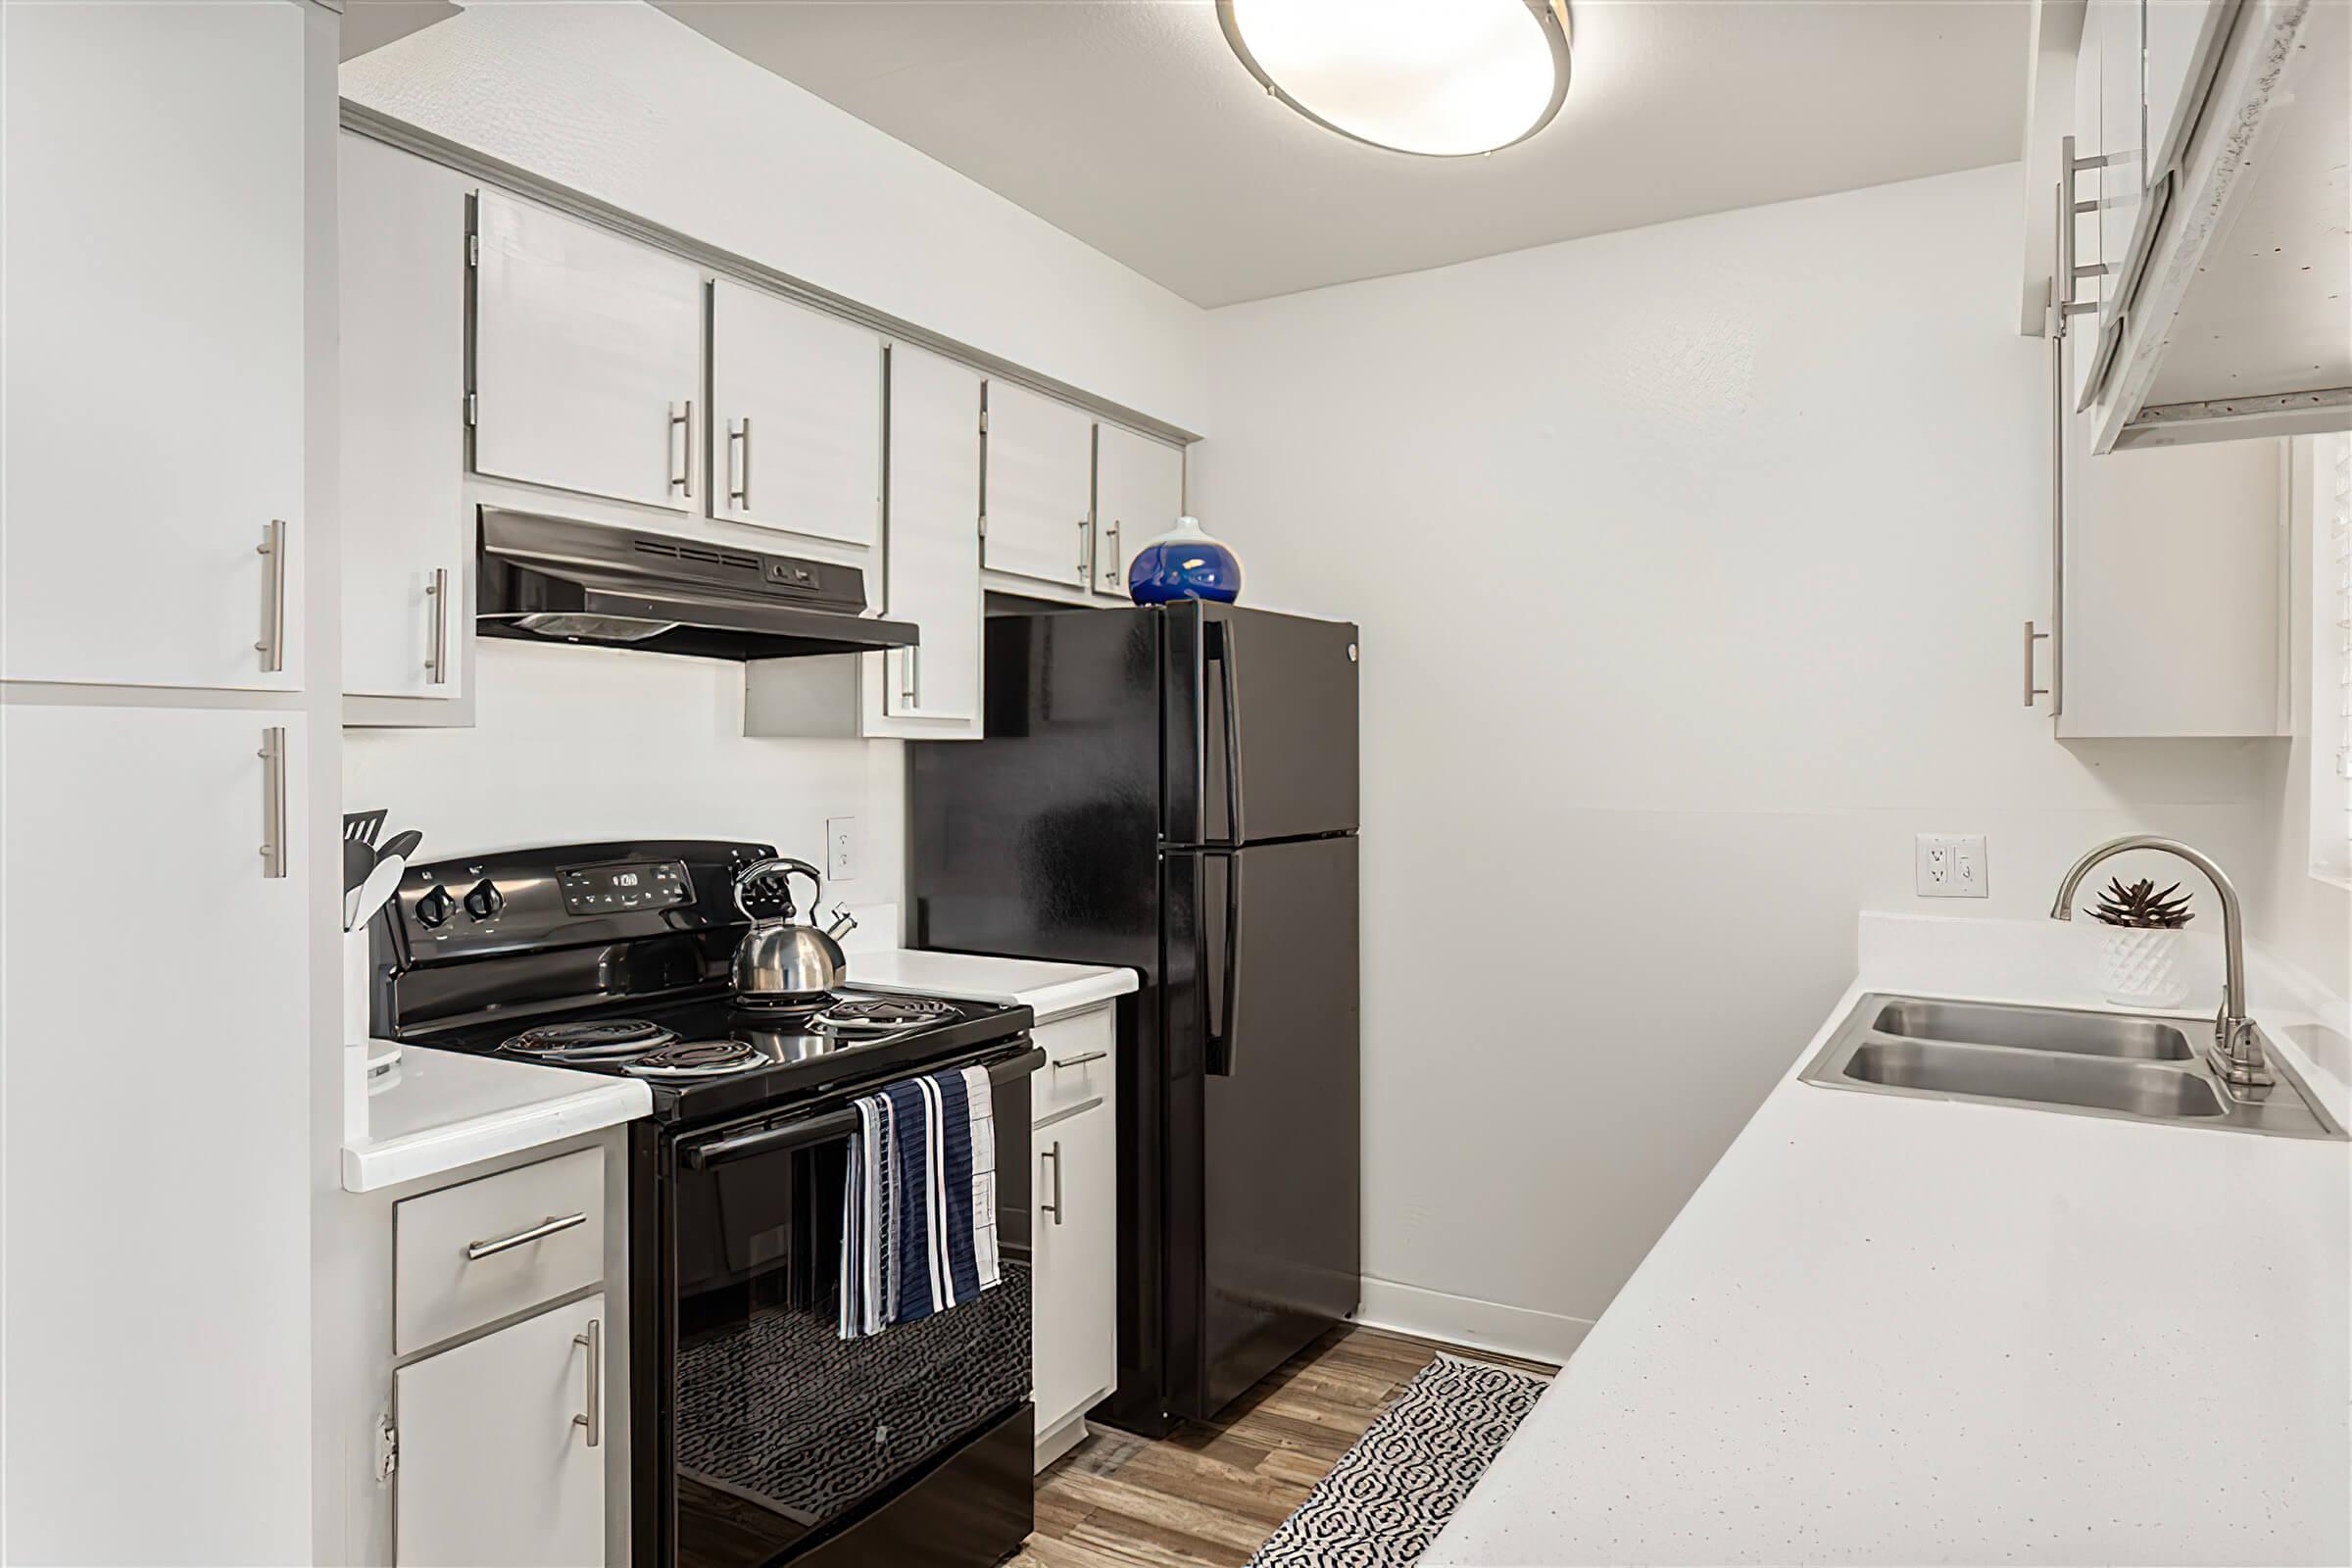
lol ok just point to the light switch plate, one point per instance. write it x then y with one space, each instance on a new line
1950 865
841 849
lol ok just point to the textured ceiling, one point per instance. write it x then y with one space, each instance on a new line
1130 124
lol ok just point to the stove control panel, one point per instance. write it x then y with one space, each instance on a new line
608 889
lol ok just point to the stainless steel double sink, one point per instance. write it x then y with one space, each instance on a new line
2053 1058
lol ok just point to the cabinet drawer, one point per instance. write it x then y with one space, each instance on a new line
1081 1061
484 1249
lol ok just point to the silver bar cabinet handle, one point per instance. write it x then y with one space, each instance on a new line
273 801
436 659
1110 574
909 665
681 430
478 1251
1054 1207
1086 534
2032 691
273 646
593 1341
739 476
1080 1061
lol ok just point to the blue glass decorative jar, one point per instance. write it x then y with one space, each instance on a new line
1185 564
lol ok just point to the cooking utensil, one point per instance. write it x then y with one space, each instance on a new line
358 860
377 890
778 960
403 844
362 826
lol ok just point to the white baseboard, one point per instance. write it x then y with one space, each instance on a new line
1467 1321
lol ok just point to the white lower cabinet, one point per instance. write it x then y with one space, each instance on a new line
502 1446
1073 1144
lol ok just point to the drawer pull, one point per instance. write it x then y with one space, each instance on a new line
547 1227
1080 1062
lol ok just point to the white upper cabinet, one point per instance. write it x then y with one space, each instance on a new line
587 359
502 1446
1139 493
407 535
796 408
933 567
153 295
1039 487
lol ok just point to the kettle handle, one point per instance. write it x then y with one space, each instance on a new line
760 871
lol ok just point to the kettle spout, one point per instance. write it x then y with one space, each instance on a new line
844 922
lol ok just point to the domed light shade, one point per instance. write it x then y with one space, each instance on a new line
1442 77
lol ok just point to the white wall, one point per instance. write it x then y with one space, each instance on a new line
626 104
1690 563
574 744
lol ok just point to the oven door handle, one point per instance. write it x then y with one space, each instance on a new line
816 1127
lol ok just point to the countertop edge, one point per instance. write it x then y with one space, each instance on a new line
371 1166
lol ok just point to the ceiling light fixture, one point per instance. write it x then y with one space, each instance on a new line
1445 79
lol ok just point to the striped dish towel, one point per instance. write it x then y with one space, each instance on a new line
919 1206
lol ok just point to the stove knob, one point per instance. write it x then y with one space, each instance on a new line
434 907
485 900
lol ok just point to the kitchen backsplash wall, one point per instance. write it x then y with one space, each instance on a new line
572 744
1691 562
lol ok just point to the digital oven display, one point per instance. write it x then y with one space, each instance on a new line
604 889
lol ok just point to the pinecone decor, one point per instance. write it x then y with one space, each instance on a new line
2141 958
2141 908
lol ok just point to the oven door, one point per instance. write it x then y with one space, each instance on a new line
779 1433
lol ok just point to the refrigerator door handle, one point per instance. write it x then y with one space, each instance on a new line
1221 1054
1229 681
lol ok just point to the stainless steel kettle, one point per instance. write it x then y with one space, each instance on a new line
778 960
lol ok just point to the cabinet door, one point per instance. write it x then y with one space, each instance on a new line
1076 1180
2181 36
195 1179
152 285
587 359
2173 595
1139 492
407 538
2123 139
1039 487
501 1457
933 570
798 401
2086 188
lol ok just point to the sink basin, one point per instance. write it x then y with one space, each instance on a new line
2042 1077
2113 1064
2084 1034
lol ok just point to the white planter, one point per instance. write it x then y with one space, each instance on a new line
2143 968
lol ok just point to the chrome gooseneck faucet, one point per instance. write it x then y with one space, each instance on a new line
2237 1051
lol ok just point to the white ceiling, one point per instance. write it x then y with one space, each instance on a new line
1130 124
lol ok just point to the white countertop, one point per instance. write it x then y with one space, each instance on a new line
448 1109
1890 1330
1050 990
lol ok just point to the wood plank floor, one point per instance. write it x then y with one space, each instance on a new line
1208 1494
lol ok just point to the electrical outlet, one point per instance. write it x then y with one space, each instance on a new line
841 849
1950 865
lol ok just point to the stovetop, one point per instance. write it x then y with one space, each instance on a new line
705 1053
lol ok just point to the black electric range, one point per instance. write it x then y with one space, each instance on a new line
759 1435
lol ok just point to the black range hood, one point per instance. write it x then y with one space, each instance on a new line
556 579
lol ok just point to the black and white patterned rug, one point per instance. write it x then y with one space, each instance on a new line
1382 1504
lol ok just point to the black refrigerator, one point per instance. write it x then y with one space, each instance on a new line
1174 790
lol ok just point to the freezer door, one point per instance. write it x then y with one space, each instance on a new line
1275 1021
1261 725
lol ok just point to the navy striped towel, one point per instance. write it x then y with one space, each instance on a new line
920 1206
